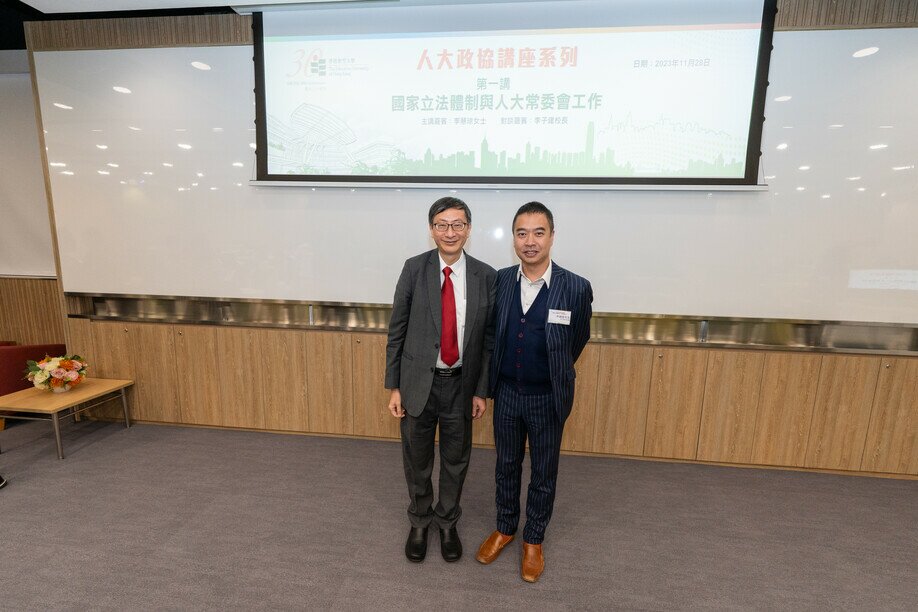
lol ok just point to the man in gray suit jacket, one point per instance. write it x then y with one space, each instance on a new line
440 341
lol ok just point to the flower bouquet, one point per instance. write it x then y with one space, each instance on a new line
57 374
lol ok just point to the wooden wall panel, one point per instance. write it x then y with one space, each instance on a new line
155 395
674 409
892 437
196 364
80 334
844 398
731 400
840 14
139 32
328 375
31 311
785 408
285 388
578 430
240 375
622 396
371 398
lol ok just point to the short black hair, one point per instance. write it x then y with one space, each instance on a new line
534 208
445 204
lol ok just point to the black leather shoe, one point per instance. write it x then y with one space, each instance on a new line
450 545
416 546
2 482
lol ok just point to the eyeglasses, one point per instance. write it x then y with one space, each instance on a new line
457 226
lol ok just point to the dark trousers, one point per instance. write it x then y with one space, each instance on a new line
517 417
444 406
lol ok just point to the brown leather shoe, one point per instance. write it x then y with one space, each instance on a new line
490 548
533 562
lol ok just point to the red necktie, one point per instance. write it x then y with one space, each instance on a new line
449 344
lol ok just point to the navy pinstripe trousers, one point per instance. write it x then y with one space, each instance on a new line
517 417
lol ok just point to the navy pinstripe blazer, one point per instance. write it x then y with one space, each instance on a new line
567 291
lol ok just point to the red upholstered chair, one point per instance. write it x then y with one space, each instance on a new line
13 365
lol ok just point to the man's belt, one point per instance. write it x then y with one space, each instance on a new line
447 372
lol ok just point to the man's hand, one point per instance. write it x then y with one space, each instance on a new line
395 404
479 405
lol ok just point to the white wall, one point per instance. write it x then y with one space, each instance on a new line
25 230
778 253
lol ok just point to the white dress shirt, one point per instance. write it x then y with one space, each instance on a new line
530 289
458 277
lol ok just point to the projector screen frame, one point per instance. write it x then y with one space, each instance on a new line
750 179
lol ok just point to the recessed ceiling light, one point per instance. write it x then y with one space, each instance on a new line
103 147
768 178
781 146
181 189
238 164
180 130
200 65
111 165
862 189
787 127
801 188
854 178
217 129
782 98
835 126
103 171
167 164
148 173
63 106
123 182
865 52
121 89
903 167
131 127
213 188
238 184
803 168
200 174
57 164
67 172
878 146
825 196
194 184
883 195
886 127
184 146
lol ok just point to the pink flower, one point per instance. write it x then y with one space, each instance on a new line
72 375
58 372
77 365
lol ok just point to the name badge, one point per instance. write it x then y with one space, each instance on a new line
561 317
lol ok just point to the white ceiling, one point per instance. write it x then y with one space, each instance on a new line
94 6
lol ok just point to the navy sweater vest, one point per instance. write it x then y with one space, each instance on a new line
524 362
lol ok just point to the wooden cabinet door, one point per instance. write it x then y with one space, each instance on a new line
155 392
371 398
674 410
578 429
329 370
623 391
196 365
113 348
240 376
892 436
731 401
785 408
844 398
285 389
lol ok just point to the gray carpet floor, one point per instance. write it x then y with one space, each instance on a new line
173 518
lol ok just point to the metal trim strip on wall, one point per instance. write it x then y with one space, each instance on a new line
621 328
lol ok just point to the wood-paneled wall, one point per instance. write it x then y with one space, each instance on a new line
232 29
854 413
30 311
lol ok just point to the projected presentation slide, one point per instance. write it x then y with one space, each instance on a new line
664 101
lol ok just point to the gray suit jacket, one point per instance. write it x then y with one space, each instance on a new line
414 330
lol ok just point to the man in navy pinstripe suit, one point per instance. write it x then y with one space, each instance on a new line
543 323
